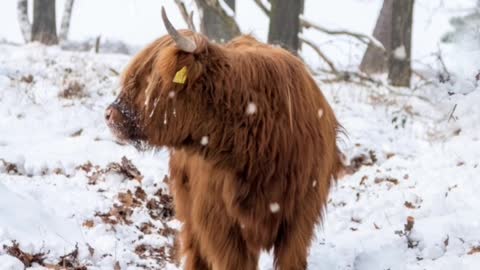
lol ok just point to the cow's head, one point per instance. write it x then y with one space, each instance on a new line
165 97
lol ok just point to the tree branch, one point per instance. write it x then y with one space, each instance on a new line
363 38
186 16
320 53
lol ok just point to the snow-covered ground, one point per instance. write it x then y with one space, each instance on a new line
64 182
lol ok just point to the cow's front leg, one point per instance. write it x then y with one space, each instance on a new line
194 260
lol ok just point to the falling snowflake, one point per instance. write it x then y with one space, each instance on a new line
251 108
274 207
204 140
320 113
171 94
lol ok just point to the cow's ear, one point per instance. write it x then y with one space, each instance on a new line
183 43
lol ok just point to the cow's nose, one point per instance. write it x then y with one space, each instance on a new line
113 115
108 113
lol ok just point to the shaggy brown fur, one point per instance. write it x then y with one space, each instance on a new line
242 182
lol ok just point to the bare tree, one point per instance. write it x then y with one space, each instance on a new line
399 63
66 18
375 60
215 22
44 24
285 23
25 26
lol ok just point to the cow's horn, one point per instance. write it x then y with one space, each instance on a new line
183 43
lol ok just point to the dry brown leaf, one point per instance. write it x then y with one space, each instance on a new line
410 205
140 194
409 224
88 223
474 250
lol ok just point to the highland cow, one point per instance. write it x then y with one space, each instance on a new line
252 141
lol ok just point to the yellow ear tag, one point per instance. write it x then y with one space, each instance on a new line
180 76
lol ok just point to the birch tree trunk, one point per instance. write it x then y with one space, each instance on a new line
66 18
23 21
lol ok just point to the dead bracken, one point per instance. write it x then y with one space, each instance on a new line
73 90
126 168
28 259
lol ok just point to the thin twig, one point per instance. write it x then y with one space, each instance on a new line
445 76
451 114
320 53
187 17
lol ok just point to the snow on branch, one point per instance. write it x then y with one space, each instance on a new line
366 39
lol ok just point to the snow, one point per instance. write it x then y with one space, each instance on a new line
274 207
421 156
11 263
400 53
320 113
251 108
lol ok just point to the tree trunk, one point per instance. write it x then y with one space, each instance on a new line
231 4
44 29
215 23
66 18
375 60
300 28
285 23
25 26
399 63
